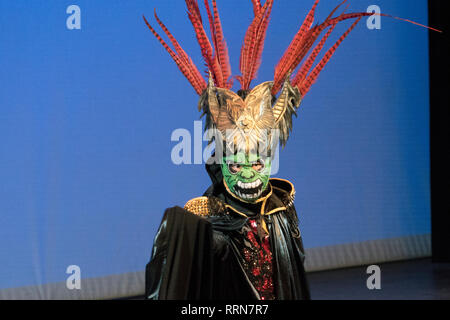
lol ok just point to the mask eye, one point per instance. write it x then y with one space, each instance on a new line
234 168
258 165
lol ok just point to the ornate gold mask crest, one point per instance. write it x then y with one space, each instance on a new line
250 122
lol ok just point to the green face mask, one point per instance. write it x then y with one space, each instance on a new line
246 176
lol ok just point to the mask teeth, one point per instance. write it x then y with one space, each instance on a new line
249 196
249 185
242 187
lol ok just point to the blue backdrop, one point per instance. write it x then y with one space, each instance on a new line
86 118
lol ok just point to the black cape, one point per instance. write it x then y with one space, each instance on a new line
200 258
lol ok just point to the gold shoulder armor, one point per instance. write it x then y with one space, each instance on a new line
198 206
205 206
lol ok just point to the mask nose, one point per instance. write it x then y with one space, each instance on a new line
247 174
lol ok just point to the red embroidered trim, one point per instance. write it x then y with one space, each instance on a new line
258 264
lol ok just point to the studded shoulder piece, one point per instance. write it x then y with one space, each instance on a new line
206 206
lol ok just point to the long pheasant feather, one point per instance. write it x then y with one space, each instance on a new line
306 67
221 47
253 45
251 39
366 14
182 54
256 6
283 66
195 78
305 86
202 39
310 39
249 43
259 46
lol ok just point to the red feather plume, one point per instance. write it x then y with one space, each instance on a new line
285 64
203 41
217 58
256 6
183 61
305 85
220 45
306 67
299 47
253 46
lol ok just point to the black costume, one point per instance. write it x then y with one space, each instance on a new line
215 253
